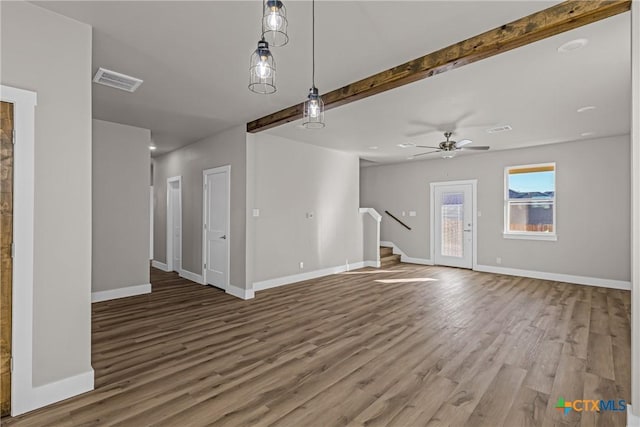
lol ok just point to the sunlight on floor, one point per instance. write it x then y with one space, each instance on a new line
416 279
370 272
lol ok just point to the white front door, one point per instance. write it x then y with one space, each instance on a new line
216 237
453 225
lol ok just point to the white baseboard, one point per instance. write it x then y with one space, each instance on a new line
295 278
54 392
421 261
159 265
557 277
355 266
192 276
374 264
240 292
632 419
128 291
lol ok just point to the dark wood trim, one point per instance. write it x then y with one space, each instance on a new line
6 257
537 26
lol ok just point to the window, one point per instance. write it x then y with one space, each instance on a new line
530 202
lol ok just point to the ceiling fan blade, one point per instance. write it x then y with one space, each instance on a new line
424 154
481 148
463 142
426 146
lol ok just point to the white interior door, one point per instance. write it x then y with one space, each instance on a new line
216 239
453 225
174 224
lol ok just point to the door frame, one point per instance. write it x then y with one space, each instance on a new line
227 169
474 216
23 393
170 266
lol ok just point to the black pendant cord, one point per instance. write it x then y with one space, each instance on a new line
264 4
313 43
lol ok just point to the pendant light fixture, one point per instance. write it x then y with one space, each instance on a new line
313 114
262 70
274 23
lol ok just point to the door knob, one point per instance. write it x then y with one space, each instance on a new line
224 237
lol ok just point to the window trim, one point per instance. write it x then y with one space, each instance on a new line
529 235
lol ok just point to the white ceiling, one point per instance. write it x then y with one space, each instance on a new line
534 89
193 58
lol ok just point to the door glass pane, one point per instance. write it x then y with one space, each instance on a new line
452 223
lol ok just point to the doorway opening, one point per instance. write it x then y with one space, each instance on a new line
174 224
453 223
216 239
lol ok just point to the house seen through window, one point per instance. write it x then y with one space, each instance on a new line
530 198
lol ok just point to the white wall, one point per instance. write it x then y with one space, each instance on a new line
635 251
370 238
51 55
288 180
593 192
120 208
226 148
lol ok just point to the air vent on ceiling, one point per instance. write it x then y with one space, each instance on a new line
116 80
497 129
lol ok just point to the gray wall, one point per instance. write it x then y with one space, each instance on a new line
225 148
593 191
51 55
120 206
289 179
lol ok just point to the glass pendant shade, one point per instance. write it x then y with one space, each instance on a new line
262 70
313 114
448 154
274 23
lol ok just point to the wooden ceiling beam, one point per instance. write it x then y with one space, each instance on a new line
557 19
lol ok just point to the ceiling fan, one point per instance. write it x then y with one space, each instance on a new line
448 148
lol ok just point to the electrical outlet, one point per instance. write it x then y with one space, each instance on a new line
498 260
301 265
256 212
404 213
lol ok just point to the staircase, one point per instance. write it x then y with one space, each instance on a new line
387 258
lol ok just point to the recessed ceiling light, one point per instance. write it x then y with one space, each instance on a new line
573 45
407 145
586 108
411 158
373 147
587 133
152 147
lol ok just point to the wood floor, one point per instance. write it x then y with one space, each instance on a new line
407 346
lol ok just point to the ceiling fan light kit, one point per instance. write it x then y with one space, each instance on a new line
448 148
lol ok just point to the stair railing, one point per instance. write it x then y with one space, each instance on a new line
401 223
